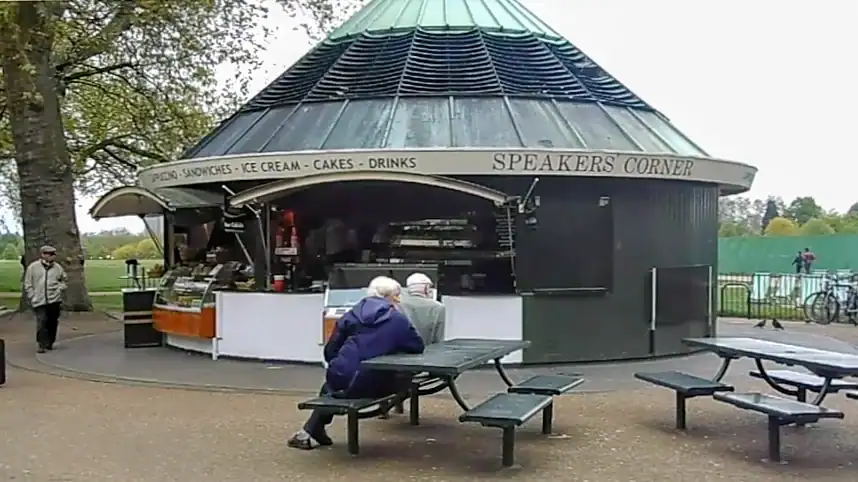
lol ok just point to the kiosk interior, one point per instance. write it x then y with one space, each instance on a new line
323 244
337 237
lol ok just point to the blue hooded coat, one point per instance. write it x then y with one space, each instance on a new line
372 328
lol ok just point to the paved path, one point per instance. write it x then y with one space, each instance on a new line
63 429
101 357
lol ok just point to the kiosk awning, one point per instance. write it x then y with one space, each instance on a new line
137 201
273 190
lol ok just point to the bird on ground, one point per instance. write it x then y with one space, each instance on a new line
777 325
761 324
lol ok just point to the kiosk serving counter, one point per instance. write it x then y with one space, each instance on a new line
292 327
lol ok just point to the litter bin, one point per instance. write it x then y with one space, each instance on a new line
2 361
139 331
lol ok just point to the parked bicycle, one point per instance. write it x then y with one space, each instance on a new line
837 296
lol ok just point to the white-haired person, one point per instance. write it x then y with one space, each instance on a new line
372 328
426 313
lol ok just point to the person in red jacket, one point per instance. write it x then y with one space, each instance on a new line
808 257
372 328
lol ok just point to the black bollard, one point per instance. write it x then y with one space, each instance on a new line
2 361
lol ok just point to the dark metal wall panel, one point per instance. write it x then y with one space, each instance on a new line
657 223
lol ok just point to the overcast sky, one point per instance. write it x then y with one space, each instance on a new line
765 82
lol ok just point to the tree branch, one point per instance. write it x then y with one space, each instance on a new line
122 20
119 159
140 152
96 71
92 149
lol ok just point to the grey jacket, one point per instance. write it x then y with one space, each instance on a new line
44 284
427 315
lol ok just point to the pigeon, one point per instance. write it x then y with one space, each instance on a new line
761 324
777 325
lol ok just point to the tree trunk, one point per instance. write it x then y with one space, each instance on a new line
46 182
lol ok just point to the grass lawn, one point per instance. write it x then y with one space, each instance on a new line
101 274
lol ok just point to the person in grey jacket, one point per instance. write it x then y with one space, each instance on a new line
44 283
426 314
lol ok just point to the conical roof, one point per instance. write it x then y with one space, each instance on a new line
387 16
444 73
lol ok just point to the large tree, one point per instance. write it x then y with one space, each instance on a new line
802 209
92 90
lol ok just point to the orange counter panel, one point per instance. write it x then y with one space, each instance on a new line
328 325
183 323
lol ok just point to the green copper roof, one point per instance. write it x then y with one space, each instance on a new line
494 15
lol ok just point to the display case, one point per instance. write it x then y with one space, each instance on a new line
185 302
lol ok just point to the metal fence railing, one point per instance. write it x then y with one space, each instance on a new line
772 295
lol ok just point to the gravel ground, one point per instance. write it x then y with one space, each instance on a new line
57 429
60 429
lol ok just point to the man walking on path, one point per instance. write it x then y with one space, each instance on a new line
44 284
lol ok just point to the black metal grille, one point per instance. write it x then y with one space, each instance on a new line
426 63
598 82
525 66
296 83
371 66
449 63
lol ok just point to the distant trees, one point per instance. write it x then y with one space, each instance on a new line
742 216
114 244
772 211
144 249
781 227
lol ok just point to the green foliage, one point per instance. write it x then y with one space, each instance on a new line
742 216
138 80
103 245
816 227
781 227
10 252
319 17
803 209
772 211
731 229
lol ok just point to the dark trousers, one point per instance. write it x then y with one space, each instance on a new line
47 322
319 420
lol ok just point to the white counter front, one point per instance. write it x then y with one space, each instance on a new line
270 326
288 327
498 317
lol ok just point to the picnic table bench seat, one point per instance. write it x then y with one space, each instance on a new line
507 411
354 410
853 394
547 384
781 411
686 386
805 382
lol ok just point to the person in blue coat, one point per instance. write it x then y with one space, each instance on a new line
372 328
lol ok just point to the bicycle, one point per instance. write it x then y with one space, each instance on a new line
824 306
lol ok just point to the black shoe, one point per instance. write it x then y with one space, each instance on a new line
49 347
301 443
321 438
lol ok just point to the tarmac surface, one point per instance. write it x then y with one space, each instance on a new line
102 355
79 414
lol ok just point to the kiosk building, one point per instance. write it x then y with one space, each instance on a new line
549 201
